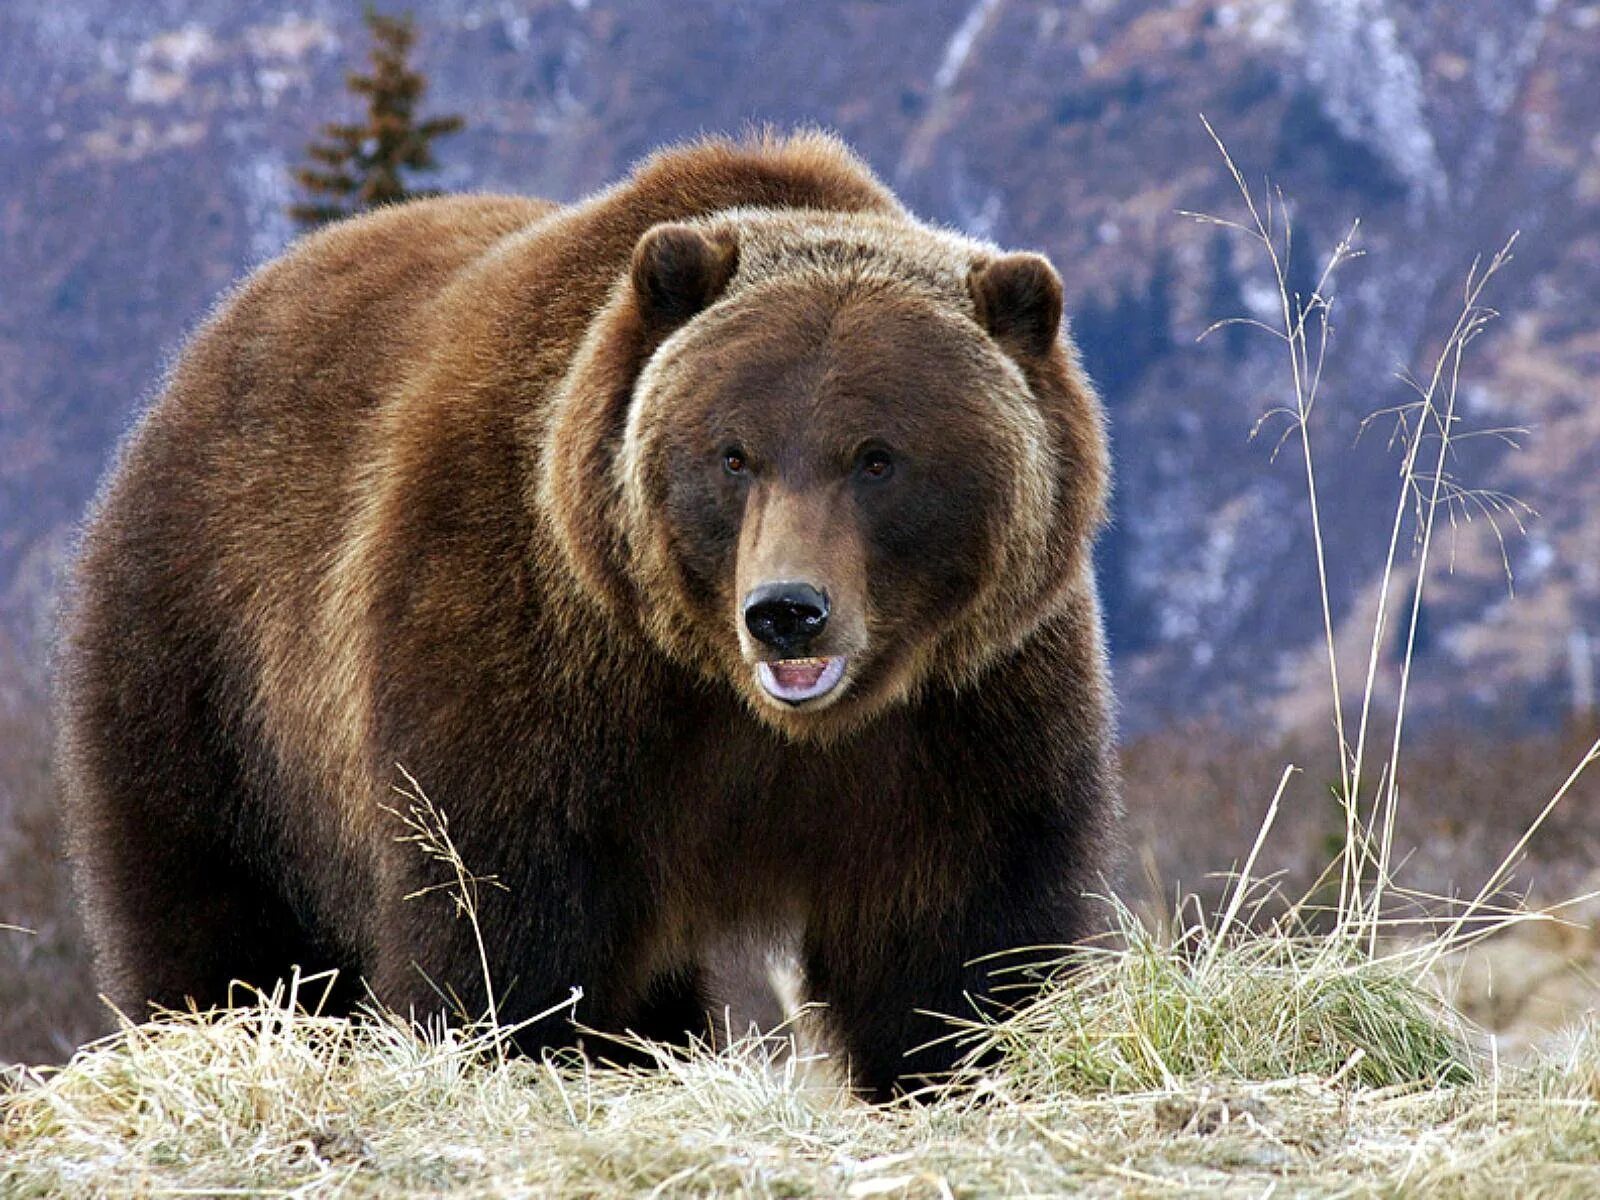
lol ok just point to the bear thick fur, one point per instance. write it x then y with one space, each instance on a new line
715 555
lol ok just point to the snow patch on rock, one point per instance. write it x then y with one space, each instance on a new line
1371 89
162 65
959 48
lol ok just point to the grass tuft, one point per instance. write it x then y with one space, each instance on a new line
1158 1014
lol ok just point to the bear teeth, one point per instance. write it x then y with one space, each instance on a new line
796 680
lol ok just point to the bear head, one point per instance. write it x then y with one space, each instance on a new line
828 459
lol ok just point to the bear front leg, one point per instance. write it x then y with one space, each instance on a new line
425 965
892 979
561 919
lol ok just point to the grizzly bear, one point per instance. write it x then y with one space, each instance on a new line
715 554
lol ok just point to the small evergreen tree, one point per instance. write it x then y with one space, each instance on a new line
357 167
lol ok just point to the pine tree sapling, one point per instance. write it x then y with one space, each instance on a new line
355 167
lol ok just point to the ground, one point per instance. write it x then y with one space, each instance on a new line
1267 1066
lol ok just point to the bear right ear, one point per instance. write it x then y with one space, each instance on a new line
679 270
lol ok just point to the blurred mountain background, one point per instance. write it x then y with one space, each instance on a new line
147 151
145 159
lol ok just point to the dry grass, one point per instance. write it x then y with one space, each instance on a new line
1268 1066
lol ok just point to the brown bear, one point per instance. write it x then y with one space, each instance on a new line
715 553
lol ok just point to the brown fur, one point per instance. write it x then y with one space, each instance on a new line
440 488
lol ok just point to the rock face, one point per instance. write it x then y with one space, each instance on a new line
147 150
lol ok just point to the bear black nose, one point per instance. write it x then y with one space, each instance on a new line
785 616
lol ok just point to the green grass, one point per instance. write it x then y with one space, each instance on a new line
1152 1015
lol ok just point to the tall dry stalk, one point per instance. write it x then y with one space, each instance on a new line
1426 490
1271 228
1431 416
428 829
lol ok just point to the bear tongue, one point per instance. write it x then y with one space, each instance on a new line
799 673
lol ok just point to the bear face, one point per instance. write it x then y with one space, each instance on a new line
825 467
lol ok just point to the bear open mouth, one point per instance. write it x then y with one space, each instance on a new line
796 680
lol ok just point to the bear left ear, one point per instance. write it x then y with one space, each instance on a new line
1019 301
678 270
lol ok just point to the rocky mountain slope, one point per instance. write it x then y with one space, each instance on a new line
146 151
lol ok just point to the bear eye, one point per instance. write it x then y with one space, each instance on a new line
876 464
734 462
